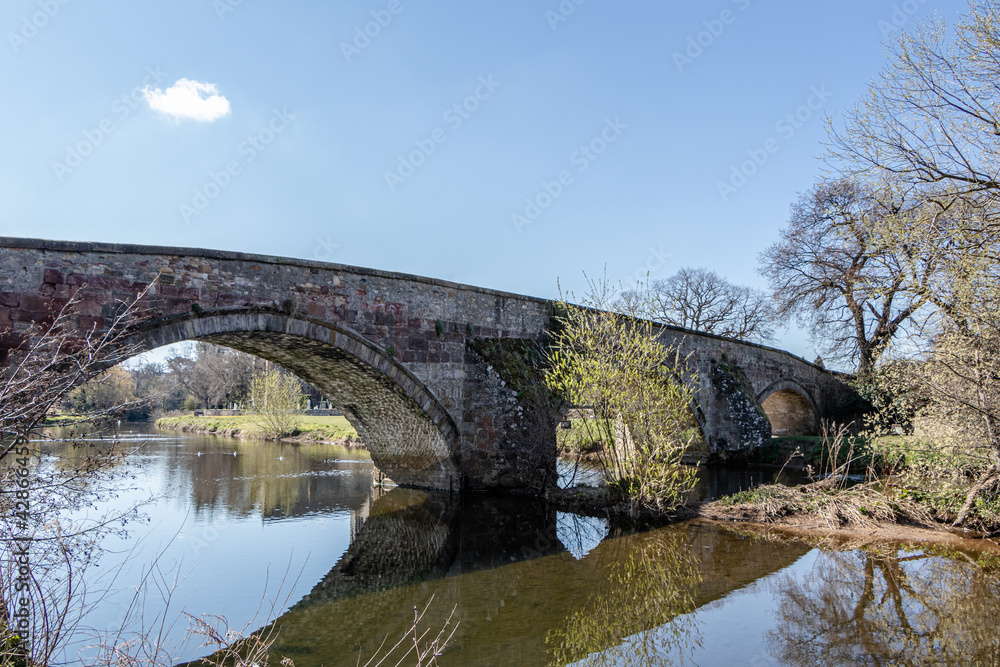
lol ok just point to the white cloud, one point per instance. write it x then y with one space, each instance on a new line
189 99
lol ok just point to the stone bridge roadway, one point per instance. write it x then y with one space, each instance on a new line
430 373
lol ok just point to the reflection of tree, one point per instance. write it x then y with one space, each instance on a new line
881 609
274 480
652 584
580 534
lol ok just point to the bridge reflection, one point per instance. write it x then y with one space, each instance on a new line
529 585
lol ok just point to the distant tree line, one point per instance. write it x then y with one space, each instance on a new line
204 376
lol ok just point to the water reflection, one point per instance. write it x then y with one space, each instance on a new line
532 586
221 476
652 584
889 607
712 481
580 534
522 596
718 481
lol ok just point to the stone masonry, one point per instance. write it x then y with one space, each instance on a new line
396 353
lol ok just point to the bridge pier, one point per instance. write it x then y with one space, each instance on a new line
441 380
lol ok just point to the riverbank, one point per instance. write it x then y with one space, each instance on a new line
810 525
313 430
860 516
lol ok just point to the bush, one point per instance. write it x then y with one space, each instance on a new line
614 364
276 403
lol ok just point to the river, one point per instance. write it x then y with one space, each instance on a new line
258 531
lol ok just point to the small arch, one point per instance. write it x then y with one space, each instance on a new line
411 437
789 408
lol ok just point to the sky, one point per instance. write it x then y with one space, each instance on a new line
511 145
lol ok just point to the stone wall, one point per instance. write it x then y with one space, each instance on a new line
402 356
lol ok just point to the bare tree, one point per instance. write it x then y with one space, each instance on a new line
838 273
931 118
43 557
215 375
703 300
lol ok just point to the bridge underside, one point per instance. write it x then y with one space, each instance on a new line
404 443
790 413
376 396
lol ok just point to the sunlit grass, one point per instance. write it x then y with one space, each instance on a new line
333 429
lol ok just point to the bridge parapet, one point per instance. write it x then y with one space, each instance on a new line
409 360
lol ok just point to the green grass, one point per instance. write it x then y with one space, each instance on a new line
60 419
577 438
334 429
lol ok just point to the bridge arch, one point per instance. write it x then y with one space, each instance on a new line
789 408
411 437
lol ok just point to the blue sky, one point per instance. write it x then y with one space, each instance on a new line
505 145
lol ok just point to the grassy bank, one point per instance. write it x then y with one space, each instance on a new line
335 430
891 480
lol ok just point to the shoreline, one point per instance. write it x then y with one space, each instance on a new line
240 432
800 525
592 501
812 527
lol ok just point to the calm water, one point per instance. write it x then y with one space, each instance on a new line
342 567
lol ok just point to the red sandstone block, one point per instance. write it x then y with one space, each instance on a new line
12 341
90 323
52 277
316 310
10 299
35 302
190 293
41 317
76 279
94 294
168 290
99 281
88 308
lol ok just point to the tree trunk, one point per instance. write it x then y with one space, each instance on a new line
985 483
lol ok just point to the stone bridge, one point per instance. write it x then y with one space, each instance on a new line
434 375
